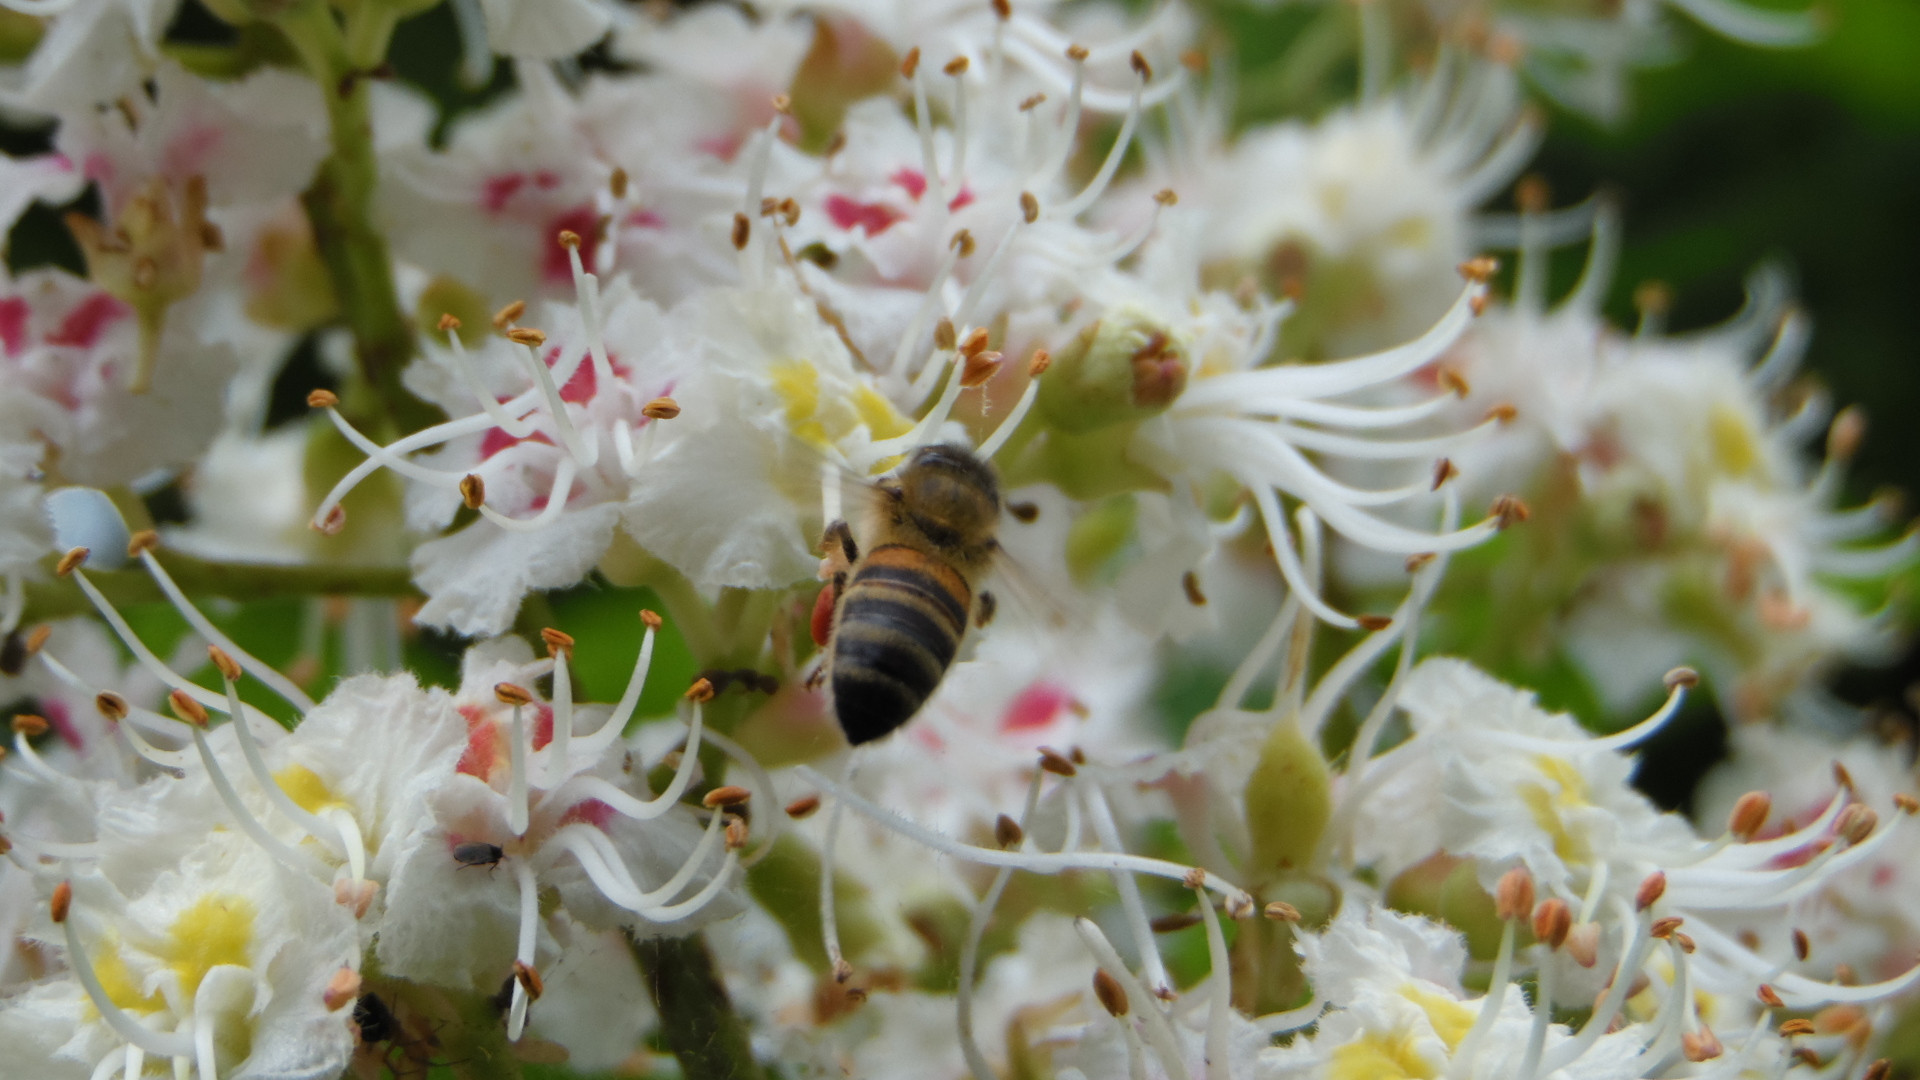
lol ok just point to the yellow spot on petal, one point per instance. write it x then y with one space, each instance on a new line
1450 1017
216 930
879 415
1381 1057
1563 792
305 788
119 983
1736 446
798 384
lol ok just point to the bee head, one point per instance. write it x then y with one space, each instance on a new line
951 496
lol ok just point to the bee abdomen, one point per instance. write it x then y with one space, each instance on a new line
898 629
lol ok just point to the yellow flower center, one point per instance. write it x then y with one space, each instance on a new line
1564 790
216 930
305 788
823 415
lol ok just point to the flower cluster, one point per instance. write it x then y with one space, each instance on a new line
1200 491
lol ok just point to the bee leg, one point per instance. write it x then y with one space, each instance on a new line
839 533
988 605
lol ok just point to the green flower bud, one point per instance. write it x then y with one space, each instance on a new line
1288 801
1121 369
1446 888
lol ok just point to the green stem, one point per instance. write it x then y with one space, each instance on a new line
200 578
340 203
696 1017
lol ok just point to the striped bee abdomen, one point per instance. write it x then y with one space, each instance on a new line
898 628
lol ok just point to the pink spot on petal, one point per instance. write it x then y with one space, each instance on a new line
645 219
1035 707
83 325
592 812
546 180
13 324
542 726
723 147
582 384
496 440
965 198
913 180
62 723
496 190
483 743
873 217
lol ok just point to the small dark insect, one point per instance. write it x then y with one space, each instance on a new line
376 1021
478 853
13 653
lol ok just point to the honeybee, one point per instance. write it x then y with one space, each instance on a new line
892 620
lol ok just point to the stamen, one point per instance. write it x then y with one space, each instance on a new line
217 985
587 288
958 70
517 796
1633 956
616 722
1219 991
559 751
923 122
279 683
257 765
196 718
495 411
1530 281
1132 244
1011 423
1098 185
1134 910
917 326
165 1044
829 916
752 258
1159 1032
328 515
543 380
1034 862
523 952
1056 160
976 930
1469 1048
557 496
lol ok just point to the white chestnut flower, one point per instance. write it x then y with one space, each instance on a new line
93 51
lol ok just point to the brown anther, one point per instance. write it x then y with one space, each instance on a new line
617 183
355 894
1138 62
1650 891
975 342
1038 364
1002 10
782 104
1166 197
1680 677
1842 777
1450 379
803 807
1856 823
963 243
111 705
473 491
1443 471
660 408
1513 896
1111 995
528 336
1701 1045
943 335
1007 832
1281 911
1652 298
144 540
1032 102
911 62
979 368
568 238
1801 947
62 901
512 694
1583 944
187 709
1510 510
1477 303
6 845
956 66
37 638
1239 906
1172 924
1664 927
1029 207
842 971
1686 943
769 206
790 211
1055 762
229 670
1879 1070
701 691
1194 60
1077 53
1373 622
322 399
1848 430
335 520
726 795
30 725
73 558
506 316
528 978
1531 194
1806 1057
742 231
1749 815
1479 269
1076 754
1552 922
557 641
1769 997
342 990
651 619
1501 413
736 831
1791 1028
1418 560
1195 878
1190 583
1907 803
